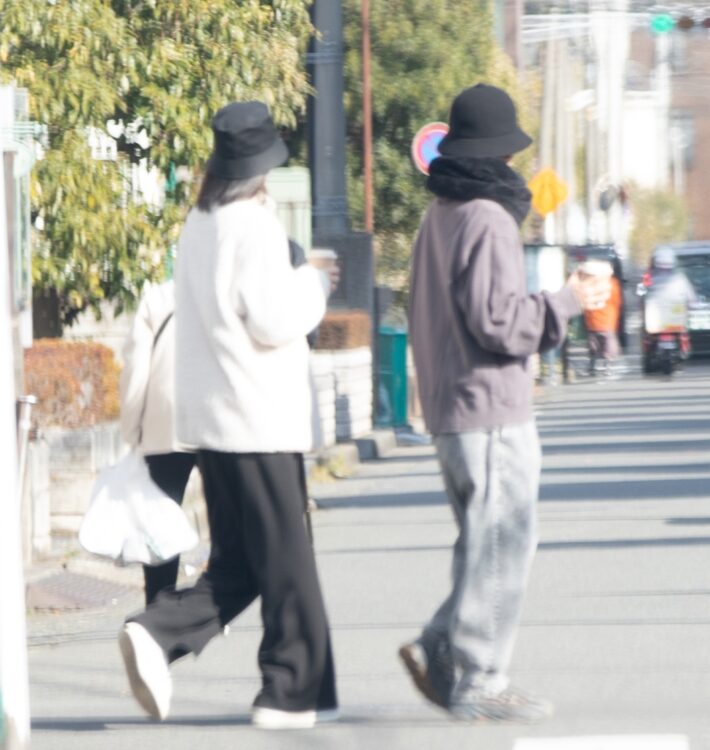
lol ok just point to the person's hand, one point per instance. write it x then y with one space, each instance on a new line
326 261
592 292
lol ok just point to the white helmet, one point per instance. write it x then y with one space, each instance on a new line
664 258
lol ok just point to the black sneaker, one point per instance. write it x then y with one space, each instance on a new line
511 705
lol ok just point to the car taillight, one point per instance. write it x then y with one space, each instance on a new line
647 279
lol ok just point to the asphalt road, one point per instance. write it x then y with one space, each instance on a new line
616 629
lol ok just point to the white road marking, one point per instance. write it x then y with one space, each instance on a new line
616 742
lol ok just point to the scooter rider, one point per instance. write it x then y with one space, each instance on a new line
666 294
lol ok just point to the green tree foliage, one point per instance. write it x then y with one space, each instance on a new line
163 65
659 216
423 53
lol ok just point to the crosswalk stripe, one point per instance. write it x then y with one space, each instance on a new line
608 742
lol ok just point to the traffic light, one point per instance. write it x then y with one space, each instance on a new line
663 23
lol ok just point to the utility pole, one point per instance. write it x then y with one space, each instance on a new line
550 82
662 75
14 690
326 118
610 34
327 162
512 41
367 119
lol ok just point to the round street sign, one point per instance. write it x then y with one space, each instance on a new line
548 191
425 144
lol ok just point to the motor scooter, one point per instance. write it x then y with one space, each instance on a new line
665 342
664 351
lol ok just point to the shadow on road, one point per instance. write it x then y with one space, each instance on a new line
549 546
101 723
632 469
400 716
635 489
669 443
552 406
698 521
619 424
686 541
388 500
594 489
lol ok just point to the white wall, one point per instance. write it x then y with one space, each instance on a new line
644 129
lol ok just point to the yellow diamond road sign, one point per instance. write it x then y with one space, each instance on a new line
549 191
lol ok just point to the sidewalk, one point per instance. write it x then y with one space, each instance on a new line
615 628
71 589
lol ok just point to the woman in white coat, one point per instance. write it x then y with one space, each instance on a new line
244 400
147 388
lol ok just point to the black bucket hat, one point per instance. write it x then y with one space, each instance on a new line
246 142
483 123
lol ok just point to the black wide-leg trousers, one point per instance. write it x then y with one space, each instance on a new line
171 472
260 548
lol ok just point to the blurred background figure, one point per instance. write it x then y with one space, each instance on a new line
147 390
602 325
666 294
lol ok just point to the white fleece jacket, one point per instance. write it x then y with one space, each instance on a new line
147 384
242 315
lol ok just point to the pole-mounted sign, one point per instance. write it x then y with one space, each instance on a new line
425 144
548 191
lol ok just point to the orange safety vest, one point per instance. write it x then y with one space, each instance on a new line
606 318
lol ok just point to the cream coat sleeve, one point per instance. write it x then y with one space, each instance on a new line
279 303
135 375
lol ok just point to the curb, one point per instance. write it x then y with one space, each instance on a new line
376 445
342 459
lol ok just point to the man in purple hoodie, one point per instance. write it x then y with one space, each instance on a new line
473 328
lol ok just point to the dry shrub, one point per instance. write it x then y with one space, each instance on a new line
76 383
344 329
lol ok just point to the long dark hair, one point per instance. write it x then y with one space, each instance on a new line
215 191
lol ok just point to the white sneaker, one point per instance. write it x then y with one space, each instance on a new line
274 718
147 670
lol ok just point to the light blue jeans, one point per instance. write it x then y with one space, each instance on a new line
492 480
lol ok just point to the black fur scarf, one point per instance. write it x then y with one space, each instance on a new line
465 178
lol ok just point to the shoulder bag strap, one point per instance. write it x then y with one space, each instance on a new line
162 328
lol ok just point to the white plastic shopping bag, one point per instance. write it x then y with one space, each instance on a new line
131 520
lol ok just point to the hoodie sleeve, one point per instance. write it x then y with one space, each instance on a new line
279 303
491 294
133 384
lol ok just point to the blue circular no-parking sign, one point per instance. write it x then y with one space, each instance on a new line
425 144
